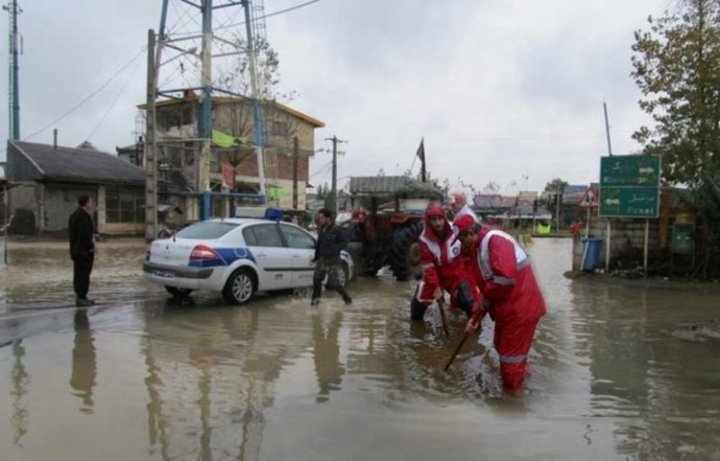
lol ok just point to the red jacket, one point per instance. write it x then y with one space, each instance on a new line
510 286
440 260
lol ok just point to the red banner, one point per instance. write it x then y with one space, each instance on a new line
228 174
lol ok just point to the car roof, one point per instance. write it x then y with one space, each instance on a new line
241 221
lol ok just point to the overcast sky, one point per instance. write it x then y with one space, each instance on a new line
509 91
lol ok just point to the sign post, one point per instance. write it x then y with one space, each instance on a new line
589 201
630 188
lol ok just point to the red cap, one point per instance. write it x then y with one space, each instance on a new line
464 223
434 209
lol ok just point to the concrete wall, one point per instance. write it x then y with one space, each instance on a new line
26 197
627 237
123 229
52 205
626 234
101 207
61 202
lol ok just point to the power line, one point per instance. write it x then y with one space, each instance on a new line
120 93
321 169
87 98
274 13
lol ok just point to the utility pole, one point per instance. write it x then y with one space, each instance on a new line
608 232
295 173
607 129
13 85
423 173
557 208
333 193
150 157
258 132
205 122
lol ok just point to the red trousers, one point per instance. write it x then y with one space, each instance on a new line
513 341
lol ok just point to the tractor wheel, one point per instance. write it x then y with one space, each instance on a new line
401 240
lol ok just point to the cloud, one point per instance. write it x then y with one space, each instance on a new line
500 89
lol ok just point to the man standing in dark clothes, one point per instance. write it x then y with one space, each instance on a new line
81 230
330 242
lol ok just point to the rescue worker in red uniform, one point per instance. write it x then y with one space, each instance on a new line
442 267
459 207
510 294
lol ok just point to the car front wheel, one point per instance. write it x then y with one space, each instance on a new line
239 287
343 274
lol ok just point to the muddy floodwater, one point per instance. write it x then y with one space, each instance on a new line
620 370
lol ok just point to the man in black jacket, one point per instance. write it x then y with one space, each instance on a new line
81 230
327 257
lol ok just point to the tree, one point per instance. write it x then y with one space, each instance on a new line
556 185
491 188
238 80
677 68
322 191
552 189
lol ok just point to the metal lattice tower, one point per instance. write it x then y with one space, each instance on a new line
259 28
13 70
194 57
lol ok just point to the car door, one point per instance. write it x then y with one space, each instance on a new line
272 257
302 248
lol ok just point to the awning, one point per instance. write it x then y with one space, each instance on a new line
226 141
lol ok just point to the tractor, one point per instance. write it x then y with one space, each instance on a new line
384 235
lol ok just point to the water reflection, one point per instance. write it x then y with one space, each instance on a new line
326 355
210 377
84 361
20 381
615 374
657 387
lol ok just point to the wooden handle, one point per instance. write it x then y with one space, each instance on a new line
457 350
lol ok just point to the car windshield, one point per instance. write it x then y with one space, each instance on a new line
208 230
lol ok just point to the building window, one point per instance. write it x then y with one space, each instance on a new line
175 116
123 206
280 129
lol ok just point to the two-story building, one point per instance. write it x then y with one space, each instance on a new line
232 150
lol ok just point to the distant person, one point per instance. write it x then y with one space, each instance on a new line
330 242
576 229
81 230
510 292
458 205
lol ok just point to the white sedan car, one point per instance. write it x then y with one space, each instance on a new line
236 257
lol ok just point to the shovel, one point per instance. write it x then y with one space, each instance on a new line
442 318
457 350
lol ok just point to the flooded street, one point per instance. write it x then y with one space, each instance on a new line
620 370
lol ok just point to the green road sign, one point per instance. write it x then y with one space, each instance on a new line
629 202
630 186
630 170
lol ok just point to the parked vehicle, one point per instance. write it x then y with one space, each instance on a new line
383 239
386 233
236 257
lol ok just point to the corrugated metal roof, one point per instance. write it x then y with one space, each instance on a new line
573 194
488 200
81 165
384 185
